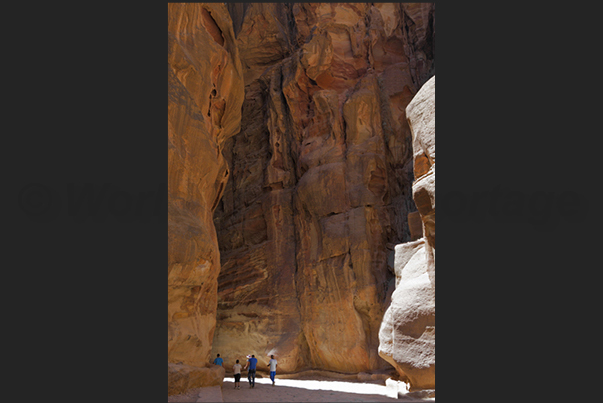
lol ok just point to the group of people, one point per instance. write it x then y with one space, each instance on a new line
252 365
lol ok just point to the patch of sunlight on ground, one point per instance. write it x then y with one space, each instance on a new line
336 386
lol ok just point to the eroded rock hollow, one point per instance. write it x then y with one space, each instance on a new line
320 186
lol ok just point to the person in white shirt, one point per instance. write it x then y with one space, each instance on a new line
272 365
237 375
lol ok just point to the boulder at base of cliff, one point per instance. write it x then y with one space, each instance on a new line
407 334
184 377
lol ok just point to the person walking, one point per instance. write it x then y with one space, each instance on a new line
272 365
218 360
251 363
237 374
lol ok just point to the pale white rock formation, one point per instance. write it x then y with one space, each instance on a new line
407 333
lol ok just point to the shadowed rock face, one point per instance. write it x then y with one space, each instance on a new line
320 184
205 93
407 334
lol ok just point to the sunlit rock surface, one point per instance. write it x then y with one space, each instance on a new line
407 334
205 93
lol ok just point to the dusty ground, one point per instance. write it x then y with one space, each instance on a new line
209 394
295 390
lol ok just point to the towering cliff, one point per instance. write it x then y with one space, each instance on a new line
321 181
205 93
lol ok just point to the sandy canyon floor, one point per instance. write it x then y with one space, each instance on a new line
296 390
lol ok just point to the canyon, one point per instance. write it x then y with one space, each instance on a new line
295 183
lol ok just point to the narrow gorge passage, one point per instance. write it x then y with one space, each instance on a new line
292 171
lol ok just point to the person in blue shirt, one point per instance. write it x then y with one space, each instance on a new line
251 363
218 360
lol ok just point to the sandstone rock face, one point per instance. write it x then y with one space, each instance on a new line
321 185
183 377
421 118
205 94
407 334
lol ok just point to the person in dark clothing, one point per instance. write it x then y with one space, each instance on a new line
251 363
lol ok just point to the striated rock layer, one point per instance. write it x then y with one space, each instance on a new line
407 334
321 176
205 94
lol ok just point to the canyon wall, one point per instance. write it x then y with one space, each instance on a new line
205 94
407 334
321 184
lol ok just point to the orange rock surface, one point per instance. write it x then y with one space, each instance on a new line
205 93
293 175
321 187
